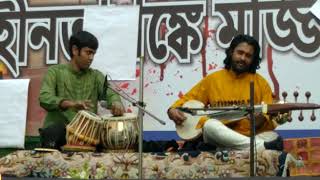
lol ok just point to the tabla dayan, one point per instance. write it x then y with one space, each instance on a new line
83 132
120 133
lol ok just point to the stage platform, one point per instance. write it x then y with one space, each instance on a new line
186 165
241 178
173 165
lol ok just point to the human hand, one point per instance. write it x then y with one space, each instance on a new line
282 118
82 105
77 105
117 108
176 115
260 119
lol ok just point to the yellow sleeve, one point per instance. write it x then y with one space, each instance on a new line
267 99
198 92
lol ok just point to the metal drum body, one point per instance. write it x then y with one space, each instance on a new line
120 132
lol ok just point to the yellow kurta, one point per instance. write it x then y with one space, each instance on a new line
225 88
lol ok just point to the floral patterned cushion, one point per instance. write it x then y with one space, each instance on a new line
91 165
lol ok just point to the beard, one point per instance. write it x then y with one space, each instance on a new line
239 68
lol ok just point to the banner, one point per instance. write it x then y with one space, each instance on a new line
181 43
117 31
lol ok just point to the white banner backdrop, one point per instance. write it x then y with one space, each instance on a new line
117 32
163 84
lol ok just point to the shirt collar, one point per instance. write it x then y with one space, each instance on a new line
78 73
237 76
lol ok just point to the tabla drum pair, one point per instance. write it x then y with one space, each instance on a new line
114 133
120 133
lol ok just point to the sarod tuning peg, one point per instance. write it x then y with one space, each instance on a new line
300 116
295 94
308 95
313 117
284 95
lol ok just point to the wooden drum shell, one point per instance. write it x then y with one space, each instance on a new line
84 129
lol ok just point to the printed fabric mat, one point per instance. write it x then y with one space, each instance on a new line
85 165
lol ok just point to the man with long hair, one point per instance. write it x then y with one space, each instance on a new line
231 86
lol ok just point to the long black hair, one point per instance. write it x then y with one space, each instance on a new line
256 60
83 39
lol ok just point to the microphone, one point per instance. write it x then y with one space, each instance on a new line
105 87
126 97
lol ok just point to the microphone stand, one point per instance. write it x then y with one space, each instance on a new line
140 115
141 112
138 104
252 131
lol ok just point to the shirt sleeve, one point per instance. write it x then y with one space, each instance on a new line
48 98
198 92
267 94
112 97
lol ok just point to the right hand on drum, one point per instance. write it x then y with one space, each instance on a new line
176 115
78 105
117 109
